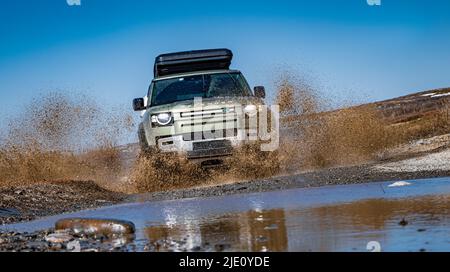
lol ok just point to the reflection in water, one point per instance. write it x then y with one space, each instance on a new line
248 231
267 230
343 227
375 213
351 226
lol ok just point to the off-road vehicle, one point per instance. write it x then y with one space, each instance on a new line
197 107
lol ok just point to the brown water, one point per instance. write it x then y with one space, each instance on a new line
335 218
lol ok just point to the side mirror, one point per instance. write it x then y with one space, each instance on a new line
138 104
260 91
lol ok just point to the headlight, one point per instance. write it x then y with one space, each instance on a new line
162 119
250 110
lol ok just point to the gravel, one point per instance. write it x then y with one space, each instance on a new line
30 202
430 162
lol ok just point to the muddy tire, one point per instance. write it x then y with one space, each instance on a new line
145 148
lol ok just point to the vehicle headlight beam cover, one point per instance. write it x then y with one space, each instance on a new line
162 119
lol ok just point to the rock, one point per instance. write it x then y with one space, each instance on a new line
403 222
93 226
58 237
8 198
19 192
271 227
221 247
196 248
261 239
56 247
399 184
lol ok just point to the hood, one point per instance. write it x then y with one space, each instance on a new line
207 103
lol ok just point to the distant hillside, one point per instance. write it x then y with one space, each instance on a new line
406 118
400 109
414 106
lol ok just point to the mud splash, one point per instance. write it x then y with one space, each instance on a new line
160 172
62 136
316 136
345 137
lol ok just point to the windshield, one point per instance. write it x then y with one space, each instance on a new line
205 86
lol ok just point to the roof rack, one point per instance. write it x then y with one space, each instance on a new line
190 61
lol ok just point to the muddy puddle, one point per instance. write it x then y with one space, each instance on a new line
409 216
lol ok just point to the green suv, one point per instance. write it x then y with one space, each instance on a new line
197 107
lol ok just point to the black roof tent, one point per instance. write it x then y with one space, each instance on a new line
190 61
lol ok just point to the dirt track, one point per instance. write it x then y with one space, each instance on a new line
30 202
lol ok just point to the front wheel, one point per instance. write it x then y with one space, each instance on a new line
145 148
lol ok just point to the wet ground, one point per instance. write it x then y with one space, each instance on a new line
412 217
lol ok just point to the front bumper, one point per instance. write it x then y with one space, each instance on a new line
203 148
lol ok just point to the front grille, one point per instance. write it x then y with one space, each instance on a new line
224 122
206 113
210 149
210 135
211 145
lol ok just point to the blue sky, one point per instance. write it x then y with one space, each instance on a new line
106 48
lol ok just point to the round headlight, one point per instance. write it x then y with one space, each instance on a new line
163 119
